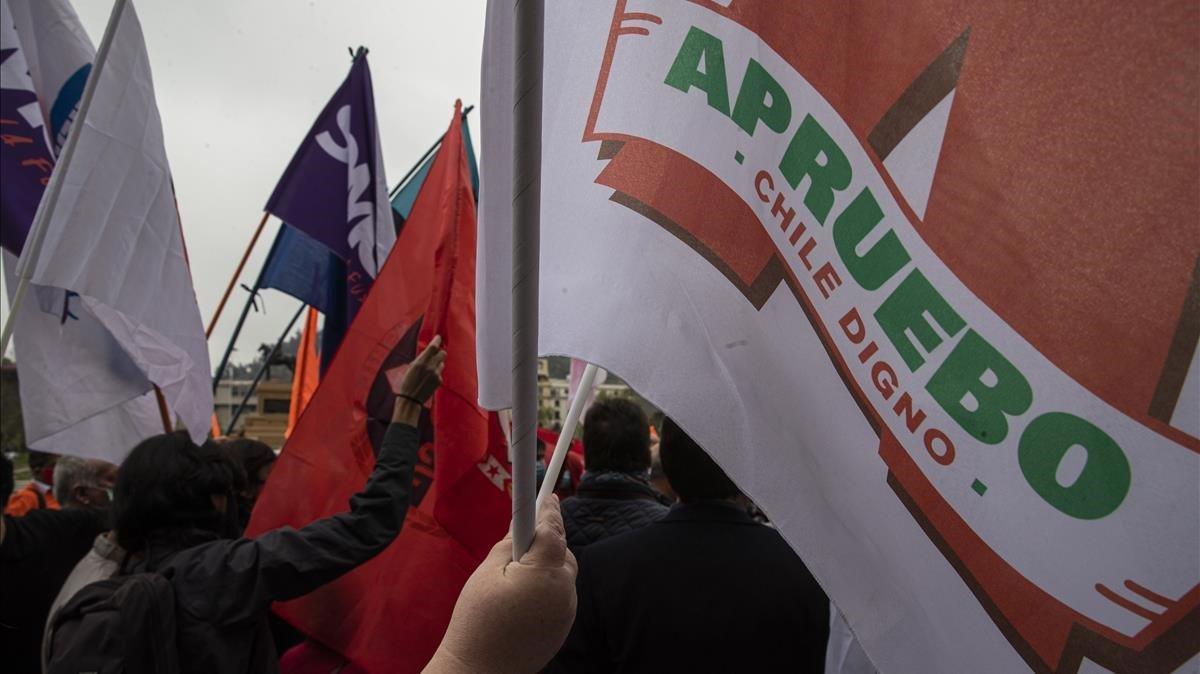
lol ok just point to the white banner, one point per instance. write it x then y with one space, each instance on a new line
114 238
784 280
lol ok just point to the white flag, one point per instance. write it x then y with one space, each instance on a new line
114 239
81 394
904 275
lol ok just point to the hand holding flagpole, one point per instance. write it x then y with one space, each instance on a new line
526 205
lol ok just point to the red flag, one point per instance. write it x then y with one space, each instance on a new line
390 614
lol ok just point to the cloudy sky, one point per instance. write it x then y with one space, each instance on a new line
239 83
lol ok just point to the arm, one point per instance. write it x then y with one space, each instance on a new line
513 616
287 563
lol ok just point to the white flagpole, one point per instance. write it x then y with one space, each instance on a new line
527 170
586 384
37 233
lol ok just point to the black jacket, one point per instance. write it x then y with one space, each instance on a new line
607 504
706 589
38 553
224 587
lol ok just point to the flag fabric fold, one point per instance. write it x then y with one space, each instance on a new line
813 234
83 392
460 503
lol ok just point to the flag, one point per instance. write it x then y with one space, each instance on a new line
922 278
98 406
304 374
576 377
335 191
460 501
113 248
303 268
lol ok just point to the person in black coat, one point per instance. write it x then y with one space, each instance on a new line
615 495
38 551
706 589
175 514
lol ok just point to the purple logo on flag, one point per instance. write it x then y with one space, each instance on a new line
334 189
25 159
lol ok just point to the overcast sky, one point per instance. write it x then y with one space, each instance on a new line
239 83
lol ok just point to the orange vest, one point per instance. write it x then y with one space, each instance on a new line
30 498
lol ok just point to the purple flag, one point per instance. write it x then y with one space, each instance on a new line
25 157
334 189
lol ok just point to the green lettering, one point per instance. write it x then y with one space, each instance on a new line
965 372
809 145
685 72
1102 484
885 258
761 98
904 310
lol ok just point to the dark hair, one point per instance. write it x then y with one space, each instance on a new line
692 473
166 485
6 479
251 456
39 460
616 436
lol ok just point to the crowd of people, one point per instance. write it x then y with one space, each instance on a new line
145 566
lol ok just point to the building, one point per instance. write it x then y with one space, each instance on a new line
268 422
228 397
554 398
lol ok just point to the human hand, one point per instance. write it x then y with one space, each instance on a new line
421 379
514 616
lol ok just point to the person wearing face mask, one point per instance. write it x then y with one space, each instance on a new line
40 549
39 493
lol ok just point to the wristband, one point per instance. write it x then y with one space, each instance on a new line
411 399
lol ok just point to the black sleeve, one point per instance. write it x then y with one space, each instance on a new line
41 530
581 653
287 563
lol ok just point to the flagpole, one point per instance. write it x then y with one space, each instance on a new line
526 205
37 233
236 273
163 411
432 148
237 414
586 383
237 329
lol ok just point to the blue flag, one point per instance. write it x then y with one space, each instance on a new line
305 269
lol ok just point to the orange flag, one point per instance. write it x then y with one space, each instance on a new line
305 375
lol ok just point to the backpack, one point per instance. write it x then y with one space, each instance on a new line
122 625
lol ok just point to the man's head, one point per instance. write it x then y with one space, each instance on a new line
168 483
84 483
41 464
6 479
256 460
616 436
692 474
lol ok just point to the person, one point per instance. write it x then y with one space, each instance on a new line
175 513
38 494
513 616
509 617
256 459
41 549
614 495
6 486
651 599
